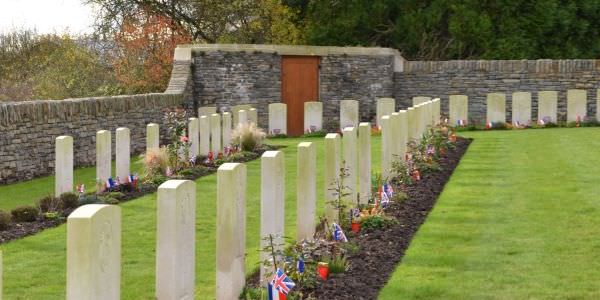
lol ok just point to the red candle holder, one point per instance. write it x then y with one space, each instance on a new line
323 270
355 227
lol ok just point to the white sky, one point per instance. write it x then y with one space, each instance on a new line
47 16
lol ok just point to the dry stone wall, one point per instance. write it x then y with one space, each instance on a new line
28 129
477 78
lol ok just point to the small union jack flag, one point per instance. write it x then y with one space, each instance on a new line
280 285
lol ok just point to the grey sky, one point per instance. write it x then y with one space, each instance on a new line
47 16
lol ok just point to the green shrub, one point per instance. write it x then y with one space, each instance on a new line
25 213
109 200
90 199
399 196
49 203
156 179
51 215
116 195
69 200
376 222
4 220
319 133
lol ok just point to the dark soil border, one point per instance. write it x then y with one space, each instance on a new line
381 251
17 231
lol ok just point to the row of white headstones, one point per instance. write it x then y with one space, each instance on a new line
94 231
521 107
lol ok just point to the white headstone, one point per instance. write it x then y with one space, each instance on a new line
123 153
63 165
385 106
395 146
242 117
547 106
403 133
576 105
215 134
437 111
103 155
521 108
226 129
277 118
94 252
194 136
412 121
458 109
386 146
204 124
418 121
152 137
496 108
420 99
253 116
350 144
306 191
364 161
272 206
231 230
332 171
206 111
313 116
176 240
235 113
349 113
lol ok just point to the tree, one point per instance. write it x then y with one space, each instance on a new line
143 53
469 29
51 67
208 21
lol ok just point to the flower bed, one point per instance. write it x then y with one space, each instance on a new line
360 261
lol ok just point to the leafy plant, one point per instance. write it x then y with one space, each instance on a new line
69 200
25 213
337 263
4 220
340 191
374 222
247 136
49 204
51 215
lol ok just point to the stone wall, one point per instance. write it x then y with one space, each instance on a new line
224 79
478 78
360 77
225 75
28 129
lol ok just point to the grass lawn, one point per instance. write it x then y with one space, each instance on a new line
34 267
519 219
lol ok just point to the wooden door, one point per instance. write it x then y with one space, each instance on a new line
299 84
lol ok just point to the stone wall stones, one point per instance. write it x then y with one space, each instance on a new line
477 78
28 129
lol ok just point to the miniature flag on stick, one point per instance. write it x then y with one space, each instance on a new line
338 233
300 266
280 286
110 183
488 125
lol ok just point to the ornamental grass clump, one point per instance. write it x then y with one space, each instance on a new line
248 136
156 162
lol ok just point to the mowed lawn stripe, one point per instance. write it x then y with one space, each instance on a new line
519 219
34 267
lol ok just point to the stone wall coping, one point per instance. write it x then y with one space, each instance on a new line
524 65
195 49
